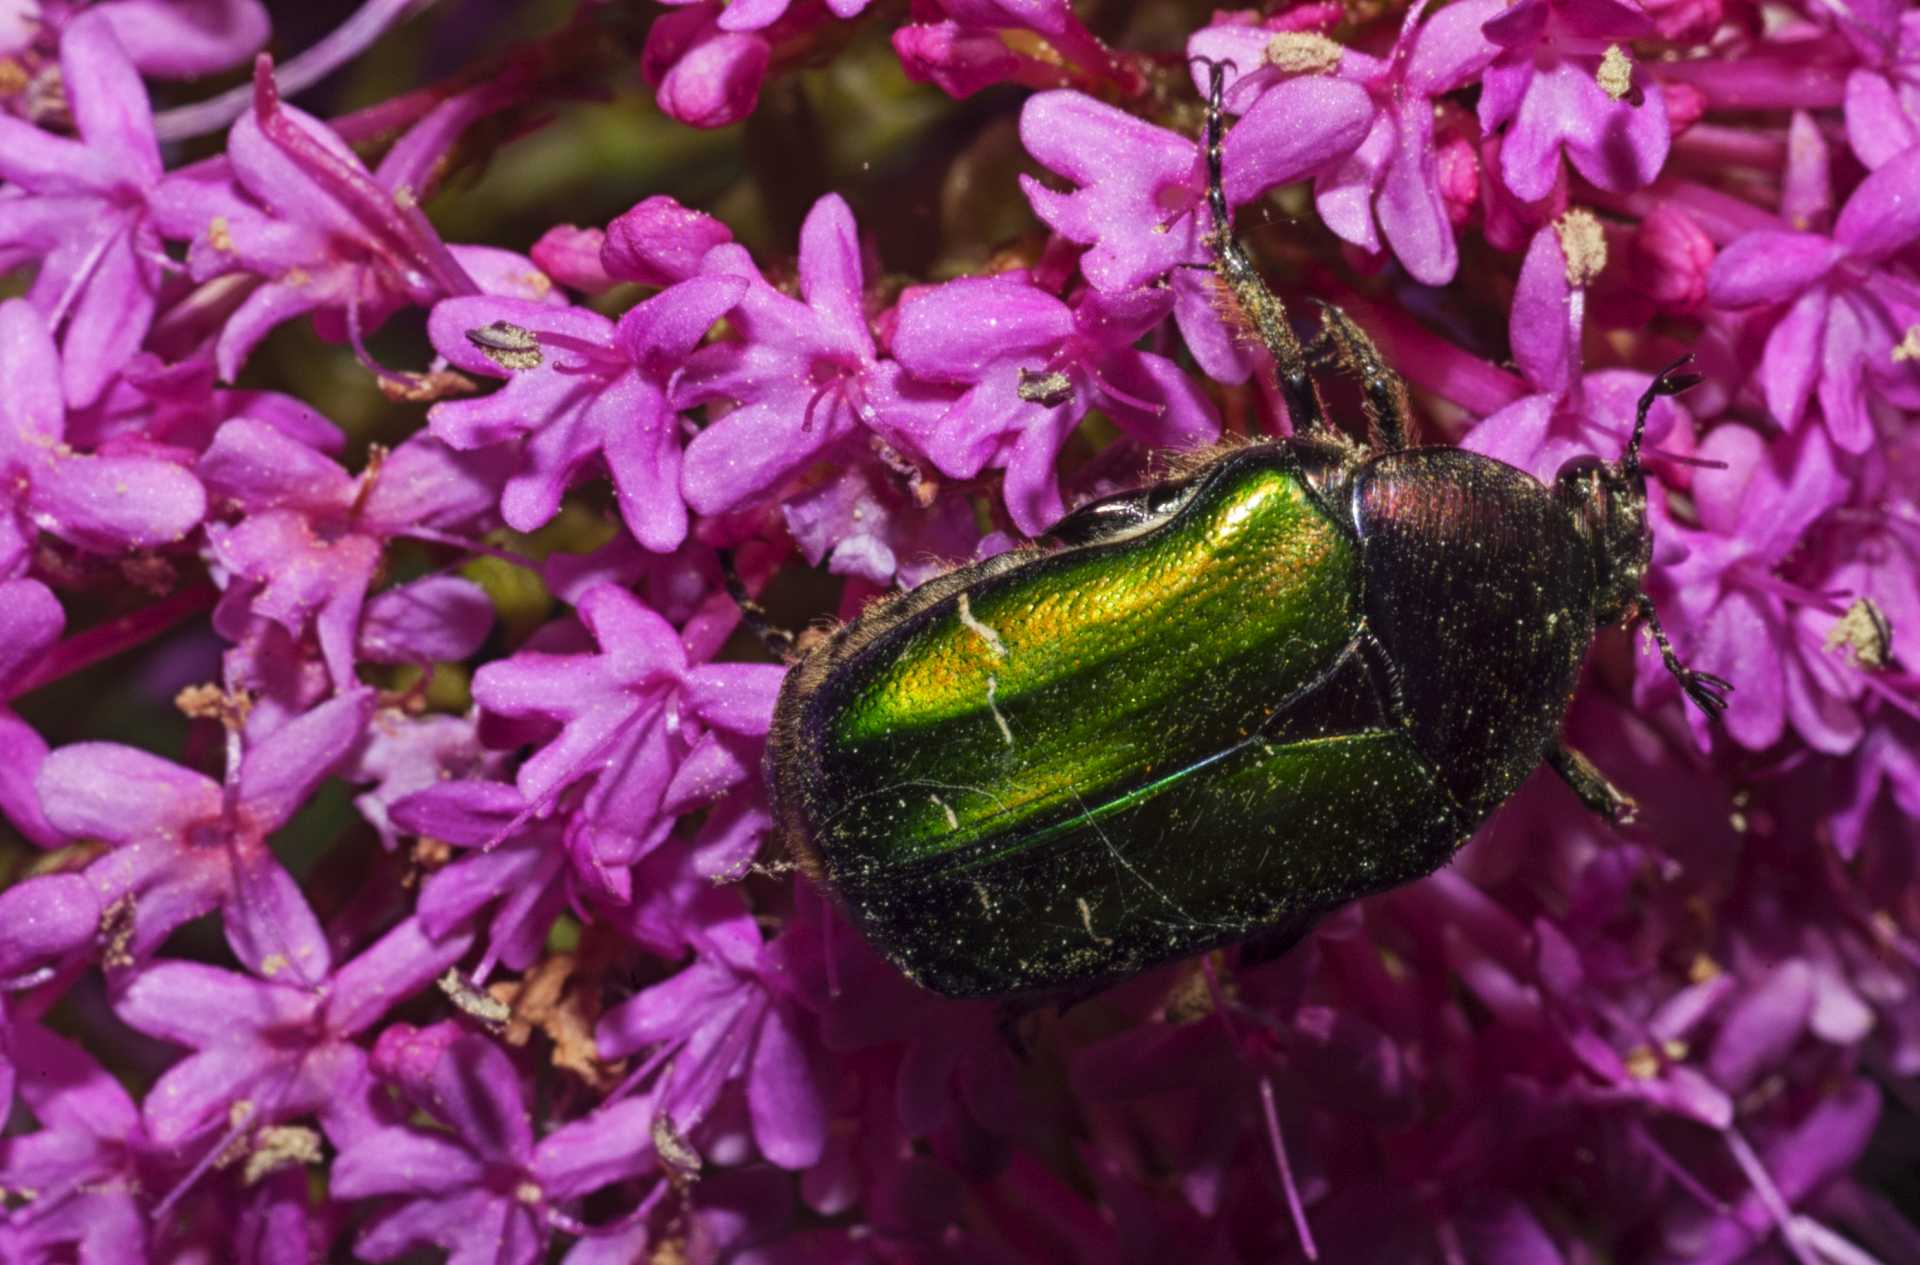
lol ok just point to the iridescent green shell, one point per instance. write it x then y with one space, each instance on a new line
1052 769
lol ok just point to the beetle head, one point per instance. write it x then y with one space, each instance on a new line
1608 502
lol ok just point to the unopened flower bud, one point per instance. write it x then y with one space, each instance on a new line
1671 257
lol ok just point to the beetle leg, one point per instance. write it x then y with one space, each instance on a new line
1250 306
1591 785
1383 392
1707 691
778 641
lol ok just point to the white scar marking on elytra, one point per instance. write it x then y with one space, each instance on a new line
998 719
983 631
953 818
1086 920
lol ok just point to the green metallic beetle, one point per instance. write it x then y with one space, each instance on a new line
1215 708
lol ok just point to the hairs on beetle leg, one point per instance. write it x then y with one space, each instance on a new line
1249 308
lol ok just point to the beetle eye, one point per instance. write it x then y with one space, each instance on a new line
1579 470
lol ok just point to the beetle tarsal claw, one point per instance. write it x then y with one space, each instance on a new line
1707 691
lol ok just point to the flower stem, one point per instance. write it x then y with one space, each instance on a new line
329 53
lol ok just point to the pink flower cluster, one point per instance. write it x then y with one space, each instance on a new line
442 931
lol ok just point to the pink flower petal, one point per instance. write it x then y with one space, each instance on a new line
403 1161
1292 131
1878 127
1769 267
1413 215
785 1095
101 790
108 100
32 408
1883 215
279 774
1793 356
174 40
270 926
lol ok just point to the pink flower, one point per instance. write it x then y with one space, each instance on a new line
1564 82
1034 367
182 845
86 211
1836 312
805 378
480 1183
1395 173
283 1043
107 501
581 388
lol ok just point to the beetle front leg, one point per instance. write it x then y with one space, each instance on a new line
1591 785
1708 692
1252 308
1383 392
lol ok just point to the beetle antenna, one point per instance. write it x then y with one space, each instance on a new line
1707 691
1251 306
1666 382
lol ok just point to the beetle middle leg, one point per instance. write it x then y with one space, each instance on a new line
1253 305
1591 785
778 641
1383 392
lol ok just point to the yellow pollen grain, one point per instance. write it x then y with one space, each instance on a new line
1908 348
1643 1064
1702 969
1584 244
1303 53
1615 75
220 234
1864 634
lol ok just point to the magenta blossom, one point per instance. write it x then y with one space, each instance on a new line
1394 174
636 720
1565 82
305 549
729 1019
805 378
1034 367
1138 200
182 845
1837 320
86 211
580 387
296 208
480 1184
282 1044
115 499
